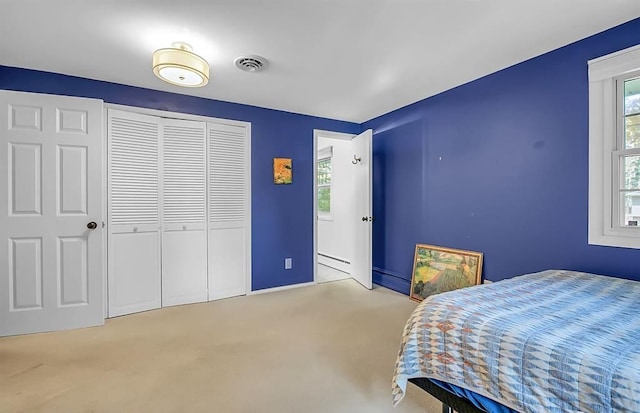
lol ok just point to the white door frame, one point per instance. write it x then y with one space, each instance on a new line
317 133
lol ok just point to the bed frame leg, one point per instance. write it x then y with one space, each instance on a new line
446 409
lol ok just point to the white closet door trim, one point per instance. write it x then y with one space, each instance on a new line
248 204
179 115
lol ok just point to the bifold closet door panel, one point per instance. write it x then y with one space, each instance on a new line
229 163
184 237
134 263
134 213
227 252
184 267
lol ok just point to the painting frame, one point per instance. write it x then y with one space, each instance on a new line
460 269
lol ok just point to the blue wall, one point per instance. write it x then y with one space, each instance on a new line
498 165
282 222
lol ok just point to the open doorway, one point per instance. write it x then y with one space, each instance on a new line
342 207
334 202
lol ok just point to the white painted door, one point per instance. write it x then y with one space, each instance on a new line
51 215
184 232
361 266
134 213
229 209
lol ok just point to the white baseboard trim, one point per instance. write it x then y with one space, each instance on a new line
284 287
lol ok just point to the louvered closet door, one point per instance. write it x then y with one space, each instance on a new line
134 216
184 238
228 209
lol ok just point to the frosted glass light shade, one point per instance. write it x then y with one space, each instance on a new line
180 66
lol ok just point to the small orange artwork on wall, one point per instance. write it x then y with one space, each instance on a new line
282 171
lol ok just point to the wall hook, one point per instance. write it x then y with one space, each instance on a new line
356 160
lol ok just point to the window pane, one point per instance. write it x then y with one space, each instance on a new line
631 165
324 179
324 171
324 165
631 203
324 200
632 113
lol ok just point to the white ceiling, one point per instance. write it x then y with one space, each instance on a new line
343 59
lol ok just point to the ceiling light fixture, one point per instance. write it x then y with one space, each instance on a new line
179 66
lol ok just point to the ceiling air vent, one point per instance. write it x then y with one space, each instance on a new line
251 63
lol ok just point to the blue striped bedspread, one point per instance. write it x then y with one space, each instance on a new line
554 341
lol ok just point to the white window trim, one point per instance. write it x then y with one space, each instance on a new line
603 72
326 153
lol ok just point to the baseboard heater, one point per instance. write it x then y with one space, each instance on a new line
334 258
391 274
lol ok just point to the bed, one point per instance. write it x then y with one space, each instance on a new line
553 341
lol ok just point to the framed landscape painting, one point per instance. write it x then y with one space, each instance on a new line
438 269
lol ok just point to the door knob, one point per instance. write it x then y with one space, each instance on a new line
92 225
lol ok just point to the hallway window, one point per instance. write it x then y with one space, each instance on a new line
324 186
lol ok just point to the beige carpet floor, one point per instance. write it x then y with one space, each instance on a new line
324 348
